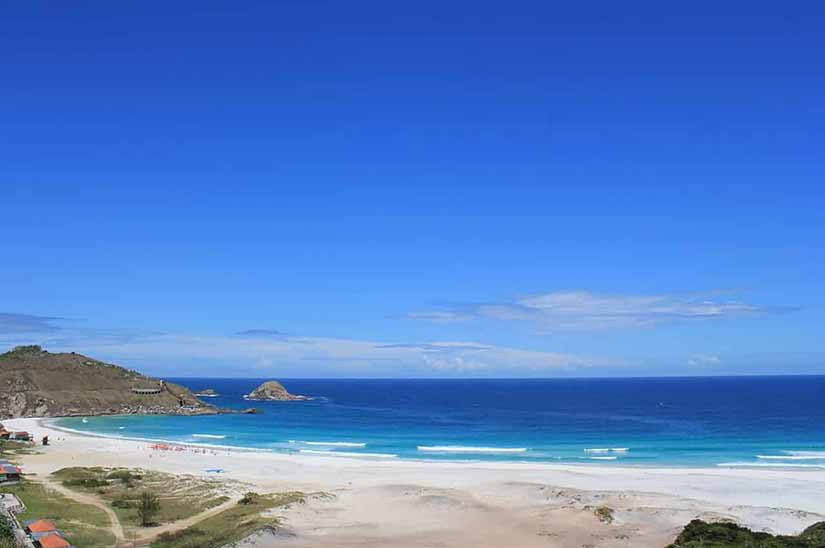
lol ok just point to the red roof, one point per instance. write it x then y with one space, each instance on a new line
9 469
42 526
53 541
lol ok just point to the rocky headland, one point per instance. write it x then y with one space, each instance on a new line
38 383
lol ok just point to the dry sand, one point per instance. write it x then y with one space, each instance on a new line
380 503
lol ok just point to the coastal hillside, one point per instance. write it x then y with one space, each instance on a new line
34 382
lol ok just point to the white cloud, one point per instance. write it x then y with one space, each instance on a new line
313 356
582 310
439 316
702 360
353 357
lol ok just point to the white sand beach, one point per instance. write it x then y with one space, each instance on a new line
371 503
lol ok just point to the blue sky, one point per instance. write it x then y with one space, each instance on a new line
307 189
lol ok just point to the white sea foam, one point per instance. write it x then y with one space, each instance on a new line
347 454
330 443
812 454
790 457
209 436
602 458
770 465
607 450
468 449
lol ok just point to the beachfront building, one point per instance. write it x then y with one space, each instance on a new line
39 526
10 504
9 472
44 534
51 540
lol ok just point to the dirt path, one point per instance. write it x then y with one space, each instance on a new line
151 534
147 535
116 528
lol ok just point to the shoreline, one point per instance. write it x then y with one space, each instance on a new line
49 423
386 499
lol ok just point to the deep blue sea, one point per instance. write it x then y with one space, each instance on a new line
731 421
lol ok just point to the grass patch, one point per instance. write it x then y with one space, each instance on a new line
604 513
9 449
180 496
231 525
84 526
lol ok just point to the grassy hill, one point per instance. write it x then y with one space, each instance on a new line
34 382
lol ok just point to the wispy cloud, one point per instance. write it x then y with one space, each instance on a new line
260 333
53 331
583 310
439 316
26 323
702 360
337 357
269 352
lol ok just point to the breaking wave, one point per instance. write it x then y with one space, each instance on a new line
330 443
348 454
607 450
468 449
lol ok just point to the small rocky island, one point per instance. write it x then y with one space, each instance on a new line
273 391
207 393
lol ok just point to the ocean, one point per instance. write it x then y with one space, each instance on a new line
708 421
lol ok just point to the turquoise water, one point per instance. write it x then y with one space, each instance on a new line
754 421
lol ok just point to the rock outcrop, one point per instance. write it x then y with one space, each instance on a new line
37 383
273 391
207 393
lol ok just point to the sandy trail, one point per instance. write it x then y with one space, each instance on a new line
151 534
147 535
115 527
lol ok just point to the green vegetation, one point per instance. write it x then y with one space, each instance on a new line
250 498
11 448
6 532
89 483
83 525
231 525
148 507
178 497
25 349
699 534
604 513
126 477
